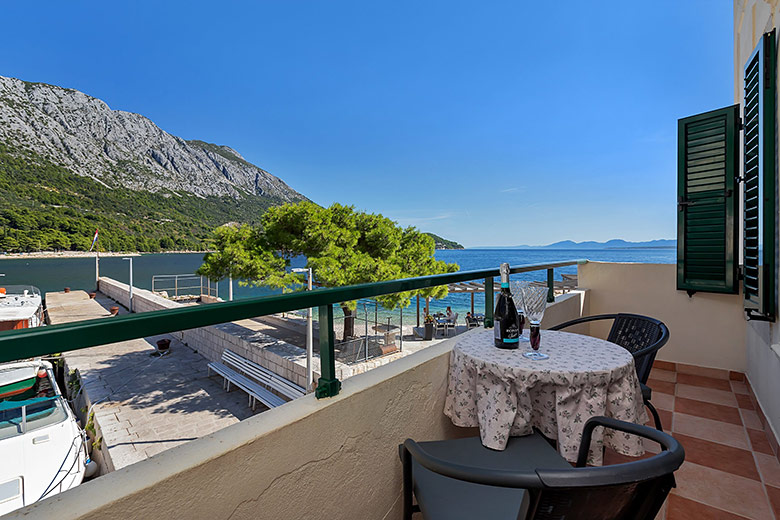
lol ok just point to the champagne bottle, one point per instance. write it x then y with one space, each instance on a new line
506 327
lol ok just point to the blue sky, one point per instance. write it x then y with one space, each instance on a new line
490 123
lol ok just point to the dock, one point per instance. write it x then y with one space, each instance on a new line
142 404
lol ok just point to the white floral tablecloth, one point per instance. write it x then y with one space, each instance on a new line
506 394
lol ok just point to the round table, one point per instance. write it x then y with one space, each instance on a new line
506 394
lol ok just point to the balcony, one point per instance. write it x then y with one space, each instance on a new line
336 456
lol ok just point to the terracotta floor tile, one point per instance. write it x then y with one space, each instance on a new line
732 493
679 508
663 401
719 456
769 468
708 382
709 395
666 419
751 420
716 412
773 443
663 375
774 499
663 387
715 373
739 388
662 513
709 430
736 376
759 442
665 365
744 401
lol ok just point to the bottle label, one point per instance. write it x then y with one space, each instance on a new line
505 285
512 333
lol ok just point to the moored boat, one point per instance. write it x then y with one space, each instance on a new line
21 307
41 445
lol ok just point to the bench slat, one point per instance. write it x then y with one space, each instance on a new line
254 389
267 377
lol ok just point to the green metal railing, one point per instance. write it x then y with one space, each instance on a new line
41 341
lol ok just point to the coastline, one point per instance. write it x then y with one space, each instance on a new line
83 254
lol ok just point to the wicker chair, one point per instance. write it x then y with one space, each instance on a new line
640 335
460 478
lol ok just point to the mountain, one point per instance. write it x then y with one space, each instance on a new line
70 163
609 244
443 243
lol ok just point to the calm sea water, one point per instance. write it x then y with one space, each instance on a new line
79 273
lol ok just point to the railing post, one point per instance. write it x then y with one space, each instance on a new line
328 385
489 302
550 285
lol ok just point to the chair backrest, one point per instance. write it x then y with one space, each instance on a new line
642 336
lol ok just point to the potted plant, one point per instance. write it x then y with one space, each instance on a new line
163 345
428 327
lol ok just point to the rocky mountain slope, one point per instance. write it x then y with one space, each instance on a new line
70 165
81 133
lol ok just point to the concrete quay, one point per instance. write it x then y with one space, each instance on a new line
142 404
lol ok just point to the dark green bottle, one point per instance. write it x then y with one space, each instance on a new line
506 326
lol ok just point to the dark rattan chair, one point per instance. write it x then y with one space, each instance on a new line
640 335
460 478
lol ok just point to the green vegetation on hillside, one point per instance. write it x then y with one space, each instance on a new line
443 243
46 207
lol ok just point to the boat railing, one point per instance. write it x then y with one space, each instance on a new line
17 344
19 408
19 290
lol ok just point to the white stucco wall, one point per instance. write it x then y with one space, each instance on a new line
707 329
307 459
752 18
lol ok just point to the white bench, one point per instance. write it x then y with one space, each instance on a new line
261 379
255 390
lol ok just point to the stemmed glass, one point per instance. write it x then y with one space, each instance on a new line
517 296
534 300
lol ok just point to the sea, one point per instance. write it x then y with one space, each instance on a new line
54 274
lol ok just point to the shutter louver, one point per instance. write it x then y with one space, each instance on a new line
708 160
759 182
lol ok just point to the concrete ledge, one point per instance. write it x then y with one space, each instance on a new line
305 457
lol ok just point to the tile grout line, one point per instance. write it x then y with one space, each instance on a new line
752 451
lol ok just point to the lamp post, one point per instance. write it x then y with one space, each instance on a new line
309 330
130 308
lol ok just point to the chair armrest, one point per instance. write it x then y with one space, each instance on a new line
647 392
667 442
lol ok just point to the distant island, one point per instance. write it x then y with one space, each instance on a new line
609 244
443 243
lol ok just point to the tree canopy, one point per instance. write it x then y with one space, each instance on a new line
341 245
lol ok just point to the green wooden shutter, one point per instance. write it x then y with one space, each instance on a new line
707 166
759 182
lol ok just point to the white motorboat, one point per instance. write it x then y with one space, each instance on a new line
21 307
42 449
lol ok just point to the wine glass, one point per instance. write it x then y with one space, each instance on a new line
534 299
516 287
